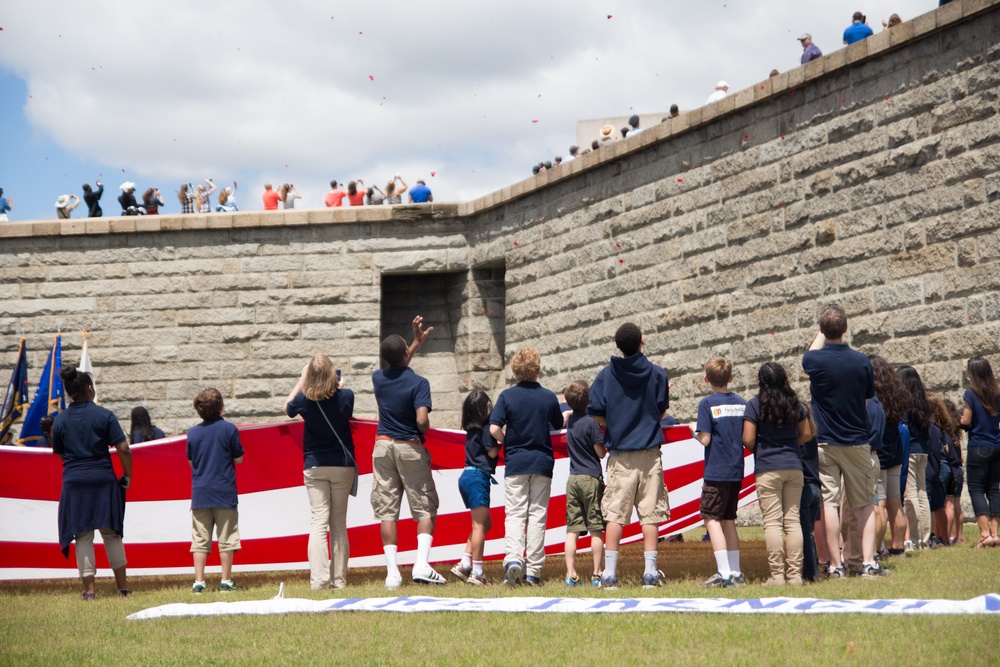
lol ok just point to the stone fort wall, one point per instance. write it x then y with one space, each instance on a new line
869 177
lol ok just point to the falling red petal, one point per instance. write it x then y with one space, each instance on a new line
433 173
618 245
371 77
535 121
515 242
609 15
680 180
779 204
745 137
621 261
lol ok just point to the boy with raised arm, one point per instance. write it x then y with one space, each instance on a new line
400 463
628 399
841 382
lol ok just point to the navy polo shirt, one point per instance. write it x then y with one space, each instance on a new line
399 392
777 448
478 443
529 411
137 437
582 433
840 380
927 441
891 454
985 431
721 415
631 394
84 431
320 446
211 447
876 423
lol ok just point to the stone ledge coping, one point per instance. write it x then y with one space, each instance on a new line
760 92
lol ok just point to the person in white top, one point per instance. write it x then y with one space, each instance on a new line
721 89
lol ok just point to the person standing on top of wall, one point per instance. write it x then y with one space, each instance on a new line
420 193
92 198
858 29
809 50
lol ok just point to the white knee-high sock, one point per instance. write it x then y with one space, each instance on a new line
722 564
424 541
734 561
390 559
610 563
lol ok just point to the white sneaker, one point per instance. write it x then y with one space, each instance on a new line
394 581
428 576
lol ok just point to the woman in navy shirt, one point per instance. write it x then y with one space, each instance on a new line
775 426
92 497
330 469
981 418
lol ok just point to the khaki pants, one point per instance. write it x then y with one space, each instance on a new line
780 493
328 488
85 559
918 509
526 502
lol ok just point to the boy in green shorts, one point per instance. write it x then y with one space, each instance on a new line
585 486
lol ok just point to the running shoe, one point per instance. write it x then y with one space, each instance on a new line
477 579
838 573
197 588
717 581
532 580
393 581
573 581
654 580
228 587
595 581
609 583
738 580
124 592
461 572
512 573
874 570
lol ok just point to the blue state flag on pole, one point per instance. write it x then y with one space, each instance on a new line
49 398
15 399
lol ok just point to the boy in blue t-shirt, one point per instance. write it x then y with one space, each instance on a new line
720 429
213 447
585 486
528 411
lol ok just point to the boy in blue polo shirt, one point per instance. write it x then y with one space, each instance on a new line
720 430
841 381
213 447
528 411
400 462
628 399
585 486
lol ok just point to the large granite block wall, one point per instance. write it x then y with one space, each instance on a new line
869 177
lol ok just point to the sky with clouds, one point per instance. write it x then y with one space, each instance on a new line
161 93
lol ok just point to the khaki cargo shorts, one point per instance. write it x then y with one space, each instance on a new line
855 464
635 480
402 466
225 521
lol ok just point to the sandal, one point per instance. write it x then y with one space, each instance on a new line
994 541
984 541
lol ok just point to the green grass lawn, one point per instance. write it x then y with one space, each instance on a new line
46 623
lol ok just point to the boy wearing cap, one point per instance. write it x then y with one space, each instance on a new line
628 399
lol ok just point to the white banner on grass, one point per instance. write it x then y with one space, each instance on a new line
986 604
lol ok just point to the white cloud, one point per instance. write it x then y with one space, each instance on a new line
178 91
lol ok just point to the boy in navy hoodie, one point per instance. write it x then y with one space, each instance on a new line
628 399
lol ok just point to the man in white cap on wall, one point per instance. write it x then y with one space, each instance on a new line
721 89
809 50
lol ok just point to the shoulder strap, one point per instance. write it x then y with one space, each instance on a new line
336 435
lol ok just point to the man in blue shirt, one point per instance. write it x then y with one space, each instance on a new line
841 382
809 50
5 205
858 30
628 399
400 462
420 193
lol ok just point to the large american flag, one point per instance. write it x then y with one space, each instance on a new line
274 509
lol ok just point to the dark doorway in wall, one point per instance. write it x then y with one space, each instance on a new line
466 349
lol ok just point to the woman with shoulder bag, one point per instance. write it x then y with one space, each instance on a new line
331 473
